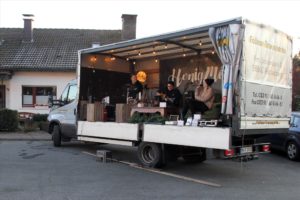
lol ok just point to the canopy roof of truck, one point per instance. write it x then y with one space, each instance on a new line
187 42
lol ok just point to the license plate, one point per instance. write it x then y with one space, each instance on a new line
245 150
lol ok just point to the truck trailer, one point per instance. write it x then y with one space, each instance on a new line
251 65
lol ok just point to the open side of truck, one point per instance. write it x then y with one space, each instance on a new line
251 66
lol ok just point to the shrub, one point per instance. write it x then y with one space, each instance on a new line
8 120
40 117
147 118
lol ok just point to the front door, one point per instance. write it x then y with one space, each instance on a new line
2 96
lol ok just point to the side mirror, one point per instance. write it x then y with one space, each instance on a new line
50 101
294 125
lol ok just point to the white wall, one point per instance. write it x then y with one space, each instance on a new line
14 87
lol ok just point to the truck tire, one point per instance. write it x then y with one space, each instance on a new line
150 154
292 151
194 155
56 136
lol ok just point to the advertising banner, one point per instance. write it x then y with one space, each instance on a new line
227 41
266 72
191 70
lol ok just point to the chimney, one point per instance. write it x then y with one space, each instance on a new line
128 27
28 30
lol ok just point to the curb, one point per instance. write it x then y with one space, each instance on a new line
25 137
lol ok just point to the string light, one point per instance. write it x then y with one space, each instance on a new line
200 43
93 59
154 52
127 59
140 53
166 46
156 60
213 52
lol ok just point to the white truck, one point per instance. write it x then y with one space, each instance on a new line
251 64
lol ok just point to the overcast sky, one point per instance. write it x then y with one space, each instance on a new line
154 17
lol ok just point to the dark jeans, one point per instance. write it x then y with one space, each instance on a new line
194 106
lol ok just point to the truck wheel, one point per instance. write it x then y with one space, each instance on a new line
194 155
292 151
56 136
150 154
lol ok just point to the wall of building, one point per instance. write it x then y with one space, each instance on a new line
19 79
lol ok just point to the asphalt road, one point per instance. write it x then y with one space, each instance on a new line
37 170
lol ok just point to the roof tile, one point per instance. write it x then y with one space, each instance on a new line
52 49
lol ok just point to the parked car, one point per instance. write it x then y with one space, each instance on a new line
288 142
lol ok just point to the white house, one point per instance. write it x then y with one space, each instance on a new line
36 63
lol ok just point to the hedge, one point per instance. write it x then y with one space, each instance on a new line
8 120
40 117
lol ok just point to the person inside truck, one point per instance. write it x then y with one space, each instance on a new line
204 98
172 97
135 88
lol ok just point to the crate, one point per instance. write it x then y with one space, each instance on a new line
104 156
90 112
95 112
83 110
123 112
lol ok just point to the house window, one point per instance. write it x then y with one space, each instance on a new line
37 96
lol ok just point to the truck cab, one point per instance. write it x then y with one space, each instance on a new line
62 117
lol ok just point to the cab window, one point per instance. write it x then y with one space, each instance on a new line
72 93
296 121
64 95
69 94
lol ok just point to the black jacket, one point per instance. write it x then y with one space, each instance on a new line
134 89
173 97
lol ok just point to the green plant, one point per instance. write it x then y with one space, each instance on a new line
137 118
40 117
8 120
146 118
155 118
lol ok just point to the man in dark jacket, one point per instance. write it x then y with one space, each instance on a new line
135 88
173 96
